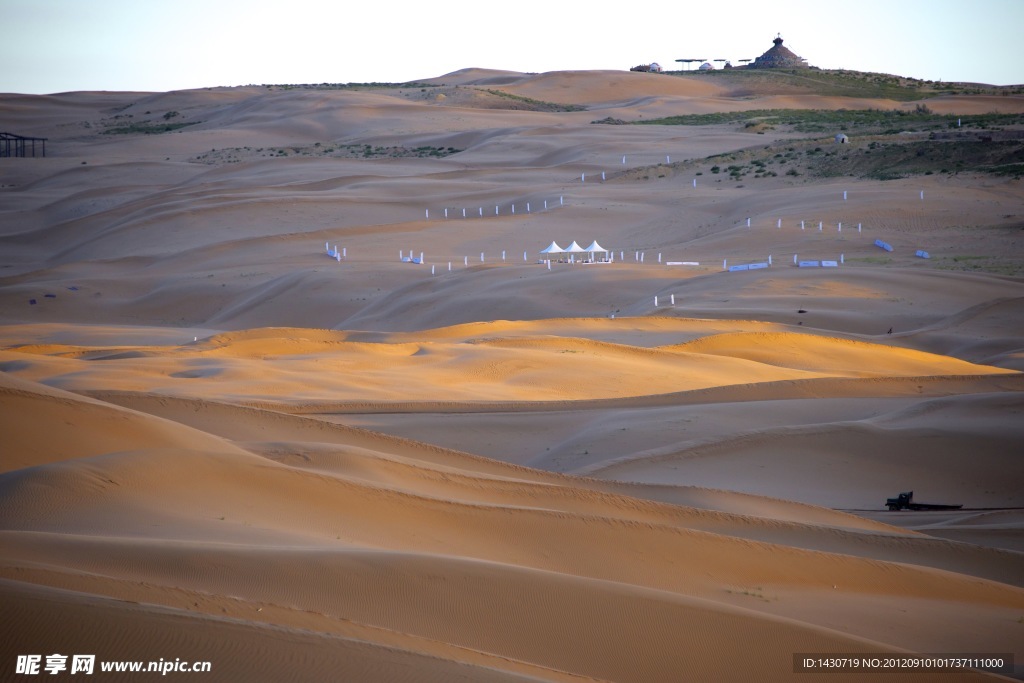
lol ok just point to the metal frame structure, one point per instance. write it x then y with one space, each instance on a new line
12 145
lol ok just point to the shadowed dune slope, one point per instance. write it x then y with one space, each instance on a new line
393 539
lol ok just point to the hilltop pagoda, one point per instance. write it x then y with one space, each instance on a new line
779 57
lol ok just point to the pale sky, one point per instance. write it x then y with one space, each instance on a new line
51 46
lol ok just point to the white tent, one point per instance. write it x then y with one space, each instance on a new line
574 249
552 248
594 248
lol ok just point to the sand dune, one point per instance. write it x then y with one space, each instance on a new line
221 444
77 427
461 533
322 366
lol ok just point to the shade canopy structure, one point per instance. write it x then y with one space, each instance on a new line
574 248
12 145
595 247
690 60
552 248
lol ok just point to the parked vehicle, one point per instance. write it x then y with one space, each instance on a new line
905 501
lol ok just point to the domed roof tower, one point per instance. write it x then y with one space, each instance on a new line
779 57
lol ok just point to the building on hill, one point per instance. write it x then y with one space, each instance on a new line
779 57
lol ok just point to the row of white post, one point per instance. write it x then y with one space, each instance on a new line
821 225
561 199
638 257
497 209
583 177
778 223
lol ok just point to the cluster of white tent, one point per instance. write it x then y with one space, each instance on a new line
554 250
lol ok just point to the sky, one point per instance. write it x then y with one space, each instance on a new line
52 46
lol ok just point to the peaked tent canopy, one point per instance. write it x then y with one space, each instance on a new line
594 246
574 248
553 248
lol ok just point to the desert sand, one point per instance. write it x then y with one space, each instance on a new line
222 444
